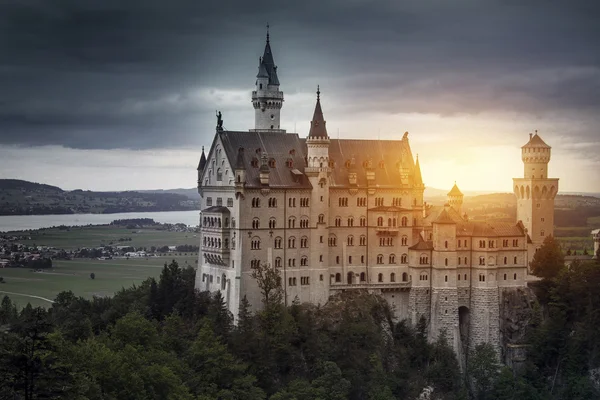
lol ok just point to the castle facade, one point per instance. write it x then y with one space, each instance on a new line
345 214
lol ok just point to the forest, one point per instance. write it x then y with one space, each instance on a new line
165 340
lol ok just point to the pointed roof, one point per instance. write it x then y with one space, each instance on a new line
422 244
444 218
269 63
418 177
455 191
202 161
262 70
317 125
536 141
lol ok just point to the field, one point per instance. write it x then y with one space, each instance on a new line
110 276
102 235
578 238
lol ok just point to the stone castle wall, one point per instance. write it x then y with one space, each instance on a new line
484 317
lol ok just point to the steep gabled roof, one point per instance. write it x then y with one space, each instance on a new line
286 151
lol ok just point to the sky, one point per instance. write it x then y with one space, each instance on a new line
121 94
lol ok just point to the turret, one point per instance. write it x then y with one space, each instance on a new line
418 179
536 156
267 99
317 142
240 169
201 166
455 198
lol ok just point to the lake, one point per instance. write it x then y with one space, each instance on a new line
22 222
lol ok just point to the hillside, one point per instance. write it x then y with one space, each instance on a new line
19 197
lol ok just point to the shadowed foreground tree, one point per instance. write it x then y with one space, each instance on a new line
548 260
268 279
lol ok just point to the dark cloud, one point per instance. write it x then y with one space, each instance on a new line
138 73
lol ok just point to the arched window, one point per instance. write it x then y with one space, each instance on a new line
515 277
380 278
350 221
362 277
404 221
304 222
219 175
446 244
363 221
380 221
292 242
304 261
446 262
272 223
392 277
404 277
458 277
278 242
304 242
380 259
291 223
445 278
515 260
505 260
332 241
338 277
404 259
255 202
350 240
223 282
404 240
278 262
504 276
363 240
338 221
349 278
255 243
392 259
481 260
321 218
255 223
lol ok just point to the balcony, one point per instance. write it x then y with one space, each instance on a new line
371 286
387 230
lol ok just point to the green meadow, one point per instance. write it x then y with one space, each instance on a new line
74 275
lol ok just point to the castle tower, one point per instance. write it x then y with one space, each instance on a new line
596 238
535 191
318 171
455 198
267 99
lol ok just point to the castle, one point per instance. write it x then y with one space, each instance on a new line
338 215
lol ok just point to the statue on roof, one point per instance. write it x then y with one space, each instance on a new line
219 121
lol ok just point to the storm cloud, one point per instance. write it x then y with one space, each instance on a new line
105 74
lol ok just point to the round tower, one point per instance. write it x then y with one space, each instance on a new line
455 198
596 238
535 192
536 156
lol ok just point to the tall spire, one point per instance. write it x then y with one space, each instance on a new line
317 125
268 62
202 161
418 177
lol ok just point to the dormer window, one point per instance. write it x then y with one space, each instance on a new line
260 86
254 162
289 163
272 163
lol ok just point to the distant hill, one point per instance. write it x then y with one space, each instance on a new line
19 197
189 193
